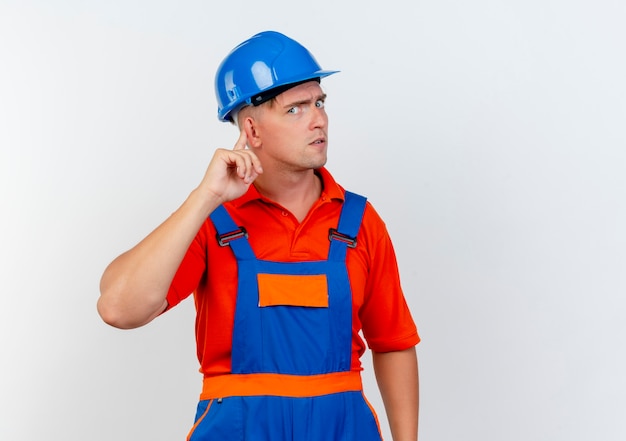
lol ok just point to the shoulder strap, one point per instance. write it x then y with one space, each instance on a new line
229 234
345 235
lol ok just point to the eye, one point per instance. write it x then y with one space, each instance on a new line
294 110
320 104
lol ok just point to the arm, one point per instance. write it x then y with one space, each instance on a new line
397 377
134 286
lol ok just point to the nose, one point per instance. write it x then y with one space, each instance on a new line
319 118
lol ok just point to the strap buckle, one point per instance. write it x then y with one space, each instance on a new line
333 234
225 239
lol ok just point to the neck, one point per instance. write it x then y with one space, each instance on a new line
297 192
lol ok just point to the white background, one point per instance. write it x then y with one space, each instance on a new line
490 135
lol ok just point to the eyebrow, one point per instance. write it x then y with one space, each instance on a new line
306 101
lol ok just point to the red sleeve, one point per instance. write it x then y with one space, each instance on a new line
385 317
190 271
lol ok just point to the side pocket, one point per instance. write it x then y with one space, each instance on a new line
203 410
369 414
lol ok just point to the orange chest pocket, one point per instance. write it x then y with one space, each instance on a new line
293 290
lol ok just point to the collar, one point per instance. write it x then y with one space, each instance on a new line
330 190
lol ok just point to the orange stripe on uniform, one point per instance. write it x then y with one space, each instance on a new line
374 414
280 385
197 423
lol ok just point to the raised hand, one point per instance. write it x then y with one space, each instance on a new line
231 172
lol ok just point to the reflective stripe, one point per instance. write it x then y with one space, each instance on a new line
280 385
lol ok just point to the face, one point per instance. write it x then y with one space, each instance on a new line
291 132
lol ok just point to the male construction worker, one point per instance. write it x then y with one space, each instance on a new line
286 269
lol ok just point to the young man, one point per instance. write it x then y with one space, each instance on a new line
286 268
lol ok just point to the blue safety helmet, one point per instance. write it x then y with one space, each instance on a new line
260 68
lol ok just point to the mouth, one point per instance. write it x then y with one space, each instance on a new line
318 141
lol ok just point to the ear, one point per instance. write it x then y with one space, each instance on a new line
251 126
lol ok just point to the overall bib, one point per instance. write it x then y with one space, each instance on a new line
292 345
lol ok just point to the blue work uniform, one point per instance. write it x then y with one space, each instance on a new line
279 336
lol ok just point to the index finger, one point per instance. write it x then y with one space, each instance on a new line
242 141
